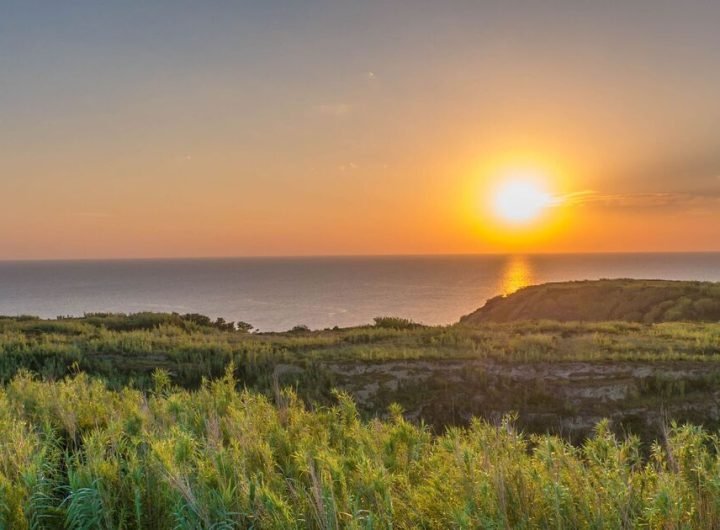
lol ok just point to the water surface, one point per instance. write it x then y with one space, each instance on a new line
278 293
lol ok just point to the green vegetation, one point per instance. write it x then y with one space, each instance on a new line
77 455
395 323
125 349
495 371
629 300
162 421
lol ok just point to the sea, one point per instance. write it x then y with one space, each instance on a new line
276 294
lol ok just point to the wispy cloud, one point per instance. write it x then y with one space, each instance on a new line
660 200
577 197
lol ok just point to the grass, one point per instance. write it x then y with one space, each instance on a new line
170 421
76 454
124 349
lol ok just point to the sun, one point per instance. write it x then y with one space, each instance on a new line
520 201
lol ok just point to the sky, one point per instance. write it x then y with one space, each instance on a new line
230 128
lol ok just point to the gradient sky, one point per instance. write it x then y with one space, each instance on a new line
227 128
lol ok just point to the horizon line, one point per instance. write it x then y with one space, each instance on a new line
350 256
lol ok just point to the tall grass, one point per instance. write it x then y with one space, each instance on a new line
76 454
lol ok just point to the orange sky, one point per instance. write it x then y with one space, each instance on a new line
185 130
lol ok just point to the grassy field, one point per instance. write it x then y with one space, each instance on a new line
74 454
125 350
153 421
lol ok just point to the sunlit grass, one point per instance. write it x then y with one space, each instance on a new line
75 454
127 352
124 448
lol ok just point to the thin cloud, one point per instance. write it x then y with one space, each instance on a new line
660 200
577 197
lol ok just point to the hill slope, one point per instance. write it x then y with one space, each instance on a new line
600 300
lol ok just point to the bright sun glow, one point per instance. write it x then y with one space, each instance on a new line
520 201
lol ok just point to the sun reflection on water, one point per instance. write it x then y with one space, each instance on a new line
517 273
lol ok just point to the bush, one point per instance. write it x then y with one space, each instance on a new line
395 323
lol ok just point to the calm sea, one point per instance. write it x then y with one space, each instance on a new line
278 293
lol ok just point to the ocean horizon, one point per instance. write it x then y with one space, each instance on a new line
277 293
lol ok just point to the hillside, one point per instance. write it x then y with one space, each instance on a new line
647 301
559 377
159 420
